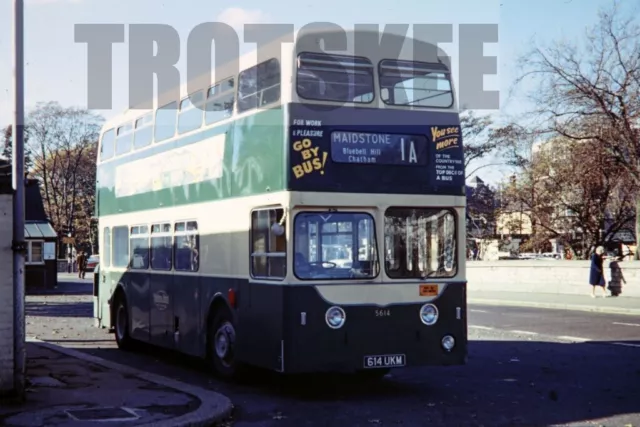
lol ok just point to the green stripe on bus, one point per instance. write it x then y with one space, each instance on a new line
253 164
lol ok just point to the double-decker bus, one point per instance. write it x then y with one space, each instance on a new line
305 213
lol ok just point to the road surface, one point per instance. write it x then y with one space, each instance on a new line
526 367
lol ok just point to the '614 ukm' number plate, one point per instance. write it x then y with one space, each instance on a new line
385 361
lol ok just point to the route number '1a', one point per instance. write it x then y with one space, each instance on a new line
413 157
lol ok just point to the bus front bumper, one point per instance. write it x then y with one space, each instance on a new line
373 337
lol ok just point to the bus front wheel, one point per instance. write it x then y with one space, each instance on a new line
222 345
123 339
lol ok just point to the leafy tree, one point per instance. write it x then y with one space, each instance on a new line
63 143
574 191
7 147
598 81
478 140
481 210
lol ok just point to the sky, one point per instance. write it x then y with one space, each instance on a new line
56 66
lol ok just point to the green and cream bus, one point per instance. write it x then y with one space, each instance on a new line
304 214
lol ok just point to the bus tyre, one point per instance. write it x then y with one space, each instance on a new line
222 345
123 339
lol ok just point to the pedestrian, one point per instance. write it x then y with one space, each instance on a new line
617 278
596 273
82 264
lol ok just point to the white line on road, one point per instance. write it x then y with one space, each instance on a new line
561 337
523 332
626 344
576 339
626 324
478 311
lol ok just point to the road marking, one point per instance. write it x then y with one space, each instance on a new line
569 338
626 324
481 327
561 337
626 344
478 311
523 332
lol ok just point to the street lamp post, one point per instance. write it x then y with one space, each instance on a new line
19 245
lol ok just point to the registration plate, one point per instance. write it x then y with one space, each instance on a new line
385 361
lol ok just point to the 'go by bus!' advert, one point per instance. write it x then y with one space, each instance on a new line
448 155
311 159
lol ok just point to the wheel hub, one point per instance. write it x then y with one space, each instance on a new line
121 322
224 340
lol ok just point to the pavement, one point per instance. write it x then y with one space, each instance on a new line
611 305
66 387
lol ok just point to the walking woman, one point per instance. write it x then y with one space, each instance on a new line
596 273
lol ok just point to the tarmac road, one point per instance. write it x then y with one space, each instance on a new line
613 329
526 367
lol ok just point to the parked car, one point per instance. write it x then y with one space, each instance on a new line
92 261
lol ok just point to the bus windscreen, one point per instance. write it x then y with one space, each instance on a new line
324 77
335 246
419 243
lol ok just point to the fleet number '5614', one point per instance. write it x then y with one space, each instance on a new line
383 313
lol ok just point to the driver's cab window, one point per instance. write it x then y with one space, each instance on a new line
338 245
268 243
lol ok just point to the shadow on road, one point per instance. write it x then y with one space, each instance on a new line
66 287
504 383
59 309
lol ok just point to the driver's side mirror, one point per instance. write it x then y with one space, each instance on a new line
277 229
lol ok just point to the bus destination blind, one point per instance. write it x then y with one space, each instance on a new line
378 148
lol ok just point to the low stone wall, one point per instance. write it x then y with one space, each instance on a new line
555 277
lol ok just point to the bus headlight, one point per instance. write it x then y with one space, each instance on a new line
448 342
335 317
429 314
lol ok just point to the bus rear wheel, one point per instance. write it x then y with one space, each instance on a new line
222 345
123 339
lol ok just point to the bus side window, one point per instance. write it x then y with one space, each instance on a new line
259 85
186 251
124 139
120 255
191 112
161 247
220 100
106 244
139 247
107 148
268 251
166 117
143 134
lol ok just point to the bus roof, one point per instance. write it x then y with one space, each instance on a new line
307 42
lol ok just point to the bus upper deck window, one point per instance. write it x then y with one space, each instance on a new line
416 84
339 78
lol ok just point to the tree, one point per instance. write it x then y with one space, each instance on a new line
599 82
7 147
481 209
574 191
63 143
478 140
